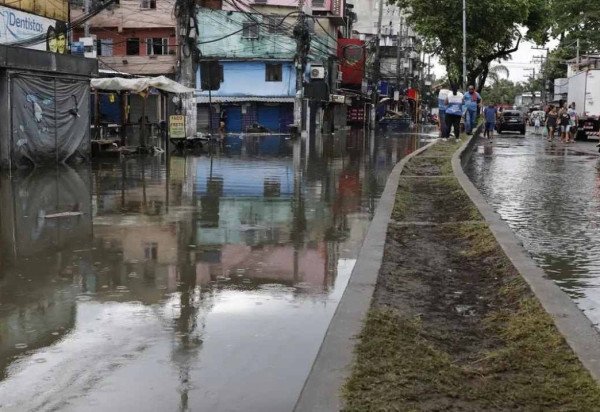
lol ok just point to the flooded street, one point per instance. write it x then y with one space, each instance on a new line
549 194
207 285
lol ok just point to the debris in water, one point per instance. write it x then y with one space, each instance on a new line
63 214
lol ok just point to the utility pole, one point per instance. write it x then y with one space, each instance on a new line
543 63
399 53
408 60
464 53
377 63
302 36
86 26
577 59
187 37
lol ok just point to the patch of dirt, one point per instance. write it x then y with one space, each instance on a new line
432 199
428 166
452 325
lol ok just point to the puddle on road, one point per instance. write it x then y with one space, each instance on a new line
550 197
207 285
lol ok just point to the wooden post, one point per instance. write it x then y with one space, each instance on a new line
123 129
143 123
96 114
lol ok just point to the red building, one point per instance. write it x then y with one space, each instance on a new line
135 36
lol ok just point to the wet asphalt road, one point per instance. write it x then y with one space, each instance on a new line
549 194
207 285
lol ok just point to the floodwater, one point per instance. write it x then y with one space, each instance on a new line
549 195
207 285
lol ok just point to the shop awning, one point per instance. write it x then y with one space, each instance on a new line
245 99
139 85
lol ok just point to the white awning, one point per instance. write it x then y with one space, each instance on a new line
140 84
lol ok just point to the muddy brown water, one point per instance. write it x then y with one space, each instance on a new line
549 195
205 285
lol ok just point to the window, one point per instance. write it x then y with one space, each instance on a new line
133 46
221 74
104 47
157 46
147 4
250 30
318 3
274 24
151 250
273 72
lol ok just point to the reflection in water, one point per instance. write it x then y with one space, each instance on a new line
208 284
549 196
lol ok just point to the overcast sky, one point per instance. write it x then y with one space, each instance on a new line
520 61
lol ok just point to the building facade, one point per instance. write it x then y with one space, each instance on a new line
257 76
394 31
135 37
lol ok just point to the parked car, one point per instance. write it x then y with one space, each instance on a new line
512 121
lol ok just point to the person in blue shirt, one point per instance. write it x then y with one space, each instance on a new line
472 101
490 113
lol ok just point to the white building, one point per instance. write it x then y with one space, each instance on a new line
393 26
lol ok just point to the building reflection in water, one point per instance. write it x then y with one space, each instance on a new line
258 220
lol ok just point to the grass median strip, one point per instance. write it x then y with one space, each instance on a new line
452 324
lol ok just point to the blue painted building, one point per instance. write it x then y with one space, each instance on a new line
256 70
252 92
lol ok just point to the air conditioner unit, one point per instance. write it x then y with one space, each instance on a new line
317 72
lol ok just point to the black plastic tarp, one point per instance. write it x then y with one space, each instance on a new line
50 119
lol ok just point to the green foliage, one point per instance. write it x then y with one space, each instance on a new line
503 92
494 30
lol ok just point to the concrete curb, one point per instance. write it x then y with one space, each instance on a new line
332 366
577 329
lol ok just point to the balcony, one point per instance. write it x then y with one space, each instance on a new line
142 65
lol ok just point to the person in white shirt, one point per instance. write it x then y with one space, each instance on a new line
442 94
454 111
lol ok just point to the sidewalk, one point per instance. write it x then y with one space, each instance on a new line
452 324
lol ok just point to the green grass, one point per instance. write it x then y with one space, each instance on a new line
439 193
524 364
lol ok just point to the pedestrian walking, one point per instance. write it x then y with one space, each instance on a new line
565 124
572 111
537 123
490 113
551 122
473 102
454 111
442 94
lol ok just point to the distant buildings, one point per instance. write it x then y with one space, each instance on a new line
134 36
255 67
394 31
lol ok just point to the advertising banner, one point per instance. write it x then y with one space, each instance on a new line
18 26
52 9
177 126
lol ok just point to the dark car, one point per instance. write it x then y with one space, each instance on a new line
512 121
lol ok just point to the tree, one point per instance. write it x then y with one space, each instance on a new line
503 92
496 71
495 29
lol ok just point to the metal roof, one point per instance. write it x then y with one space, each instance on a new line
243 99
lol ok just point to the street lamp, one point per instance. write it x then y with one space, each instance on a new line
464 74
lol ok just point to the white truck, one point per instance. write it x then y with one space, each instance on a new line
584 90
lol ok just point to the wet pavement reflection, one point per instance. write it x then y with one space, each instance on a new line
205 285
549 194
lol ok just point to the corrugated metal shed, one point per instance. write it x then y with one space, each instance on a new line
243 99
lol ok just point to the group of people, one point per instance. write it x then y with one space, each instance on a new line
563 120
453 105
